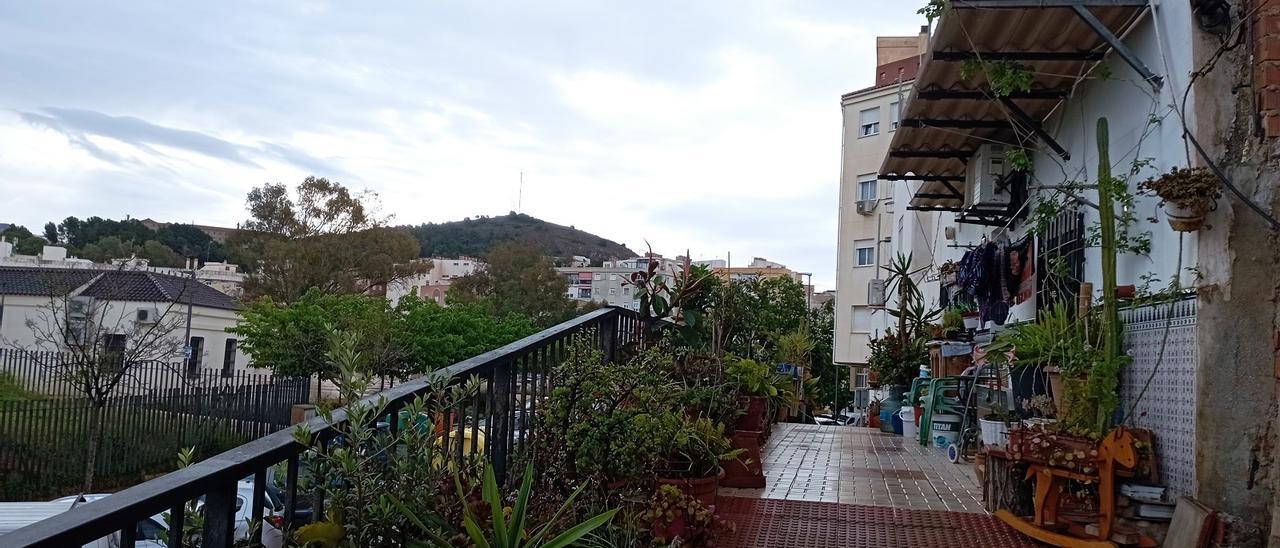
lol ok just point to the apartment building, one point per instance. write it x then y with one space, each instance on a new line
434 284
222 276
610 283
866 212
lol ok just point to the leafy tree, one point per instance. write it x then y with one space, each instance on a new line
516 280
189 241
78 233
158 254
436 336
292 339
322 237
748 314
833 380
24 242
51 232
415 337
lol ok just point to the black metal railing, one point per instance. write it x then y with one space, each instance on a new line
515 378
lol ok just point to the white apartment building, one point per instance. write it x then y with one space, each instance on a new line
434 285
868 218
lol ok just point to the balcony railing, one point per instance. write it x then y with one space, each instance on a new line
521 368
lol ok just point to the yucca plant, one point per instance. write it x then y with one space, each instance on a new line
509 532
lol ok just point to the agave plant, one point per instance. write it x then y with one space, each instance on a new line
509 532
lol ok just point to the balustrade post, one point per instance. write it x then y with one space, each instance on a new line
501 435
219 517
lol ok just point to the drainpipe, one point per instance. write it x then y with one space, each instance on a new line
186 348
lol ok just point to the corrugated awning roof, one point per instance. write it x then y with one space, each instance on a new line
947 116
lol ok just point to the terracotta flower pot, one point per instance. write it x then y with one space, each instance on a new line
703 489
1185 219
745 471
752 420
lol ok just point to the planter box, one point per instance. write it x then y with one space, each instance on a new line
752 420
703 489
746 471
1037 446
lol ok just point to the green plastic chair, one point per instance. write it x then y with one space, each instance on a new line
945 395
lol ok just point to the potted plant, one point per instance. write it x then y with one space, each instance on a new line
995 428
1186 195
947 273
691 457
754 385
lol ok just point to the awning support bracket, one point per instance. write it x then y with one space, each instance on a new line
1036 128
1117 45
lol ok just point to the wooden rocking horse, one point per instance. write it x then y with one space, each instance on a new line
1118 448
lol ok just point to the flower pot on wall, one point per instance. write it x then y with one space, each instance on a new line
747 470
971 321
752 419
1185 219
703 489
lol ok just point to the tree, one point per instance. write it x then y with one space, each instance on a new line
517 280
89 339
746 315
189 241
323 237
833 380
24 242
51 232
291 338
79 234
415 337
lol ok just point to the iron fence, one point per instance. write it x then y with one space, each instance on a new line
515 379
46 421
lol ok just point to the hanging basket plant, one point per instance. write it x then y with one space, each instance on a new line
1187 196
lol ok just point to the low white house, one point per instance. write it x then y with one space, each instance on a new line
49 309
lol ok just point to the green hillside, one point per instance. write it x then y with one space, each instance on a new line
474 237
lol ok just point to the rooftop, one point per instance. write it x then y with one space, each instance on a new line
118 285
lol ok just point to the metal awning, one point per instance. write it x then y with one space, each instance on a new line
947 116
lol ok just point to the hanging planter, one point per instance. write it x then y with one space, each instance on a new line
1187 196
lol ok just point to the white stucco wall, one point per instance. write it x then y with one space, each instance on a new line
1129 106
208 323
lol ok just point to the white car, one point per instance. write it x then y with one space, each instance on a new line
150 530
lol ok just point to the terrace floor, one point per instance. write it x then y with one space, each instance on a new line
852 465
850 487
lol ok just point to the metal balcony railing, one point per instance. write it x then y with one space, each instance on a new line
517 372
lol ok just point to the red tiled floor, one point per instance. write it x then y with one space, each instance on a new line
804 524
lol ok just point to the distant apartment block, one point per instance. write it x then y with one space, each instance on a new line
758 268
611 283
434 285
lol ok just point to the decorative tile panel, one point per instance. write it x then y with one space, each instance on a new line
1159 388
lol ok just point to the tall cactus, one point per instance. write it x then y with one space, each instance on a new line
1110 314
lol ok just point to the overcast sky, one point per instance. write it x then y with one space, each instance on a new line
708 125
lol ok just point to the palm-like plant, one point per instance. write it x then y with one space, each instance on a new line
509 532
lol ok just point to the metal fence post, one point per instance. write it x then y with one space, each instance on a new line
498 429
219 517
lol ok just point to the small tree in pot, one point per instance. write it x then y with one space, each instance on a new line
1187 195
691 459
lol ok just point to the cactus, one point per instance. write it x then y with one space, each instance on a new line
1103 388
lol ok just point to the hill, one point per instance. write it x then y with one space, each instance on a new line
474 237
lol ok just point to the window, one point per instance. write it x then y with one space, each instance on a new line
584 292
867 188
613 277
893 116
114 345
869 122
197 354
613 291
599 276
861 319
229 358
864 253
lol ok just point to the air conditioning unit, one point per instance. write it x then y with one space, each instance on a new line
78 308
875 292
866 207
985 179
146 315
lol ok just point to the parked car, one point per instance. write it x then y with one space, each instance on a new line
150 532
16 515
825 420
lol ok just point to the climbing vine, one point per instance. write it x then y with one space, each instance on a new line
933 9
1005 77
